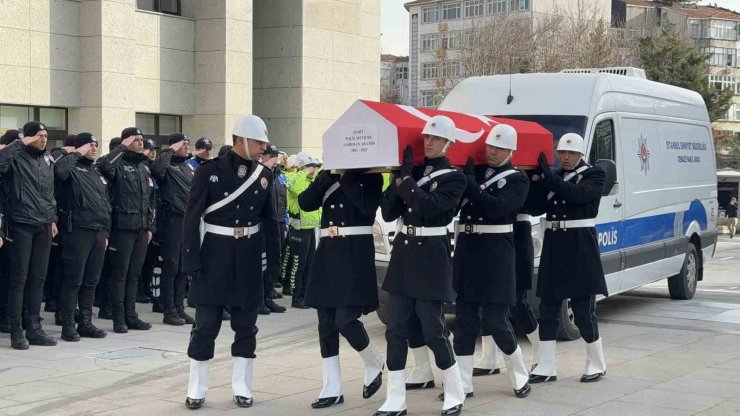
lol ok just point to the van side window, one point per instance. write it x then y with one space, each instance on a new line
604 145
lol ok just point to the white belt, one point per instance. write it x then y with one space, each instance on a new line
335 231
236 232
484 229
523 217
557 225
413 231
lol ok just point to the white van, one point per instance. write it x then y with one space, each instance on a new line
658 215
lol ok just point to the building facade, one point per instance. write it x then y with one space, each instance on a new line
187 65
394 79
437 28
715 31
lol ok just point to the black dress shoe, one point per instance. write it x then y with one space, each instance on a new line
452 411
263 310
441 396
194 403
372 388
390 413
485 371
523 392
534 379
157 307
298 303
242 401
326 402
419 386
590 378
275 295
274 307
287 291
105 312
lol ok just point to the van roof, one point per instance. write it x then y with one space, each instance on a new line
572 94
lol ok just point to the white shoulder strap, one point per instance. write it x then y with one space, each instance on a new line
220 204
423 181
568 177
488 183
330 191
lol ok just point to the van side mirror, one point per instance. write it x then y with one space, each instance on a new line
610 168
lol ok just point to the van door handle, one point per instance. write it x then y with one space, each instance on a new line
617 204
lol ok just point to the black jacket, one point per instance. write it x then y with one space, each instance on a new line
228 270
484 264
86 201
30 183
343 270
174 177
421 267
281 196
132 189
731 211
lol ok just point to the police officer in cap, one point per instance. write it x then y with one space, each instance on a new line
8 137
132 198
151 149
342 285
202 153
86 229
174 177
484 259
279 190
419 279
29 171
231 206
570 264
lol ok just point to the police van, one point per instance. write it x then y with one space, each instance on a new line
658 214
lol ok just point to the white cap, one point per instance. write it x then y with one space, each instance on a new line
251 127
303 159
571 142
440 126
503 136
292 161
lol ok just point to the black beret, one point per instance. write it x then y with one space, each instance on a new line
10 136
69 140
32 128
130 131
175 138
114 142
85 138
204 143
224 150
149 144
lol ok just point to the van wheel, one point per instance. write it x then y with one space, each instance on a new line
383 313
567 330
683 285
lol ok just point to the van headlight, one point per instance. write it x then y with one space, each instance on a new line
379 239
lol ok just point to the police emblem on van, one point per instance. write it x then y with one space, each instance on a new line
643 153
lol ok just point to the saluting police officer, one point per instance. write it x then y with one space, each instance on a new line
202 153
86 229
342 285
230 205
8 137
132 198
174 177
484 275
29 170
570 265
419 278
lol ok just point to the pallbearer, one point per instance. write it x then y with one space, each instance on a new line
342 284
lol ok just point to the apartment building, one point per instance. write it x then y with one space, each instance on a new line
394 79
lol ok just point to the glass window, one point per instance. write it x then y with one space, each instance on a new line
169 125
161 6
54 118
451 11
473 8
519 5
722 56
158 126
451 40
723 29
430 98
402 72
723 81
429 42
604 145
429 70
695 29
14 117
453 69
147 123
430 14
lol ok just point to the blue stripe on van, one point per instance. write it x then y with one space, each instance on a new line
634 232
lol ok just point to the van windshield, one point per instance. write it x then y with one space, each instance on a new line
557 125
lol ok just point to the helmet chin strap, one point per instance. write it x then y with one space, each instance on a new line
511 152
444 149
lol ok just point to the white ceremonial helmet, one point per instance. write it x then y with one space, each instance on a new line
503 136
571 142
441 126
251 127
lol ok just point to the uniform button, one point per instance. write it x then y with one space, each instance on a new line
419 242
332 206
469 217
236 222
565 216
413 190
342 223
362 185
563 202
249 223
226 194
256 191
409 209
555 202
471 204
341 205
237 207
480 219
251 208
331 222
406 242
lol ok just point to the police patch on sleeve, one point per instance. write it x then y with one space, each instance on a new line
213 178
263 182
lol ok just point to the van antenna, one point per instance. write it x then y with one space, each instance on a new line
510 98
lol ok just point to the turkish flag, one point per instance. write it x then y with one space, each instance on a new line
373 135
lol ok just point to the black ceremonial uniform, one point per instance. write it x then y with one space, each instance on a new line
4 265
419 277
342 284
174 177
570 264
227 269
86 229
484 261
133 202
31 211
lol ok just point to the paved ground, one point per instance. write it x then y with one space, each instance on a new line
665 357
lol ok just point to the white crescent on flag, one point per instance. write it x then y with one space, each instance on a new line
462 135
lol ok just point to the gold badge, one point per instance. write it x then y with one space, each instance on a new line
263 182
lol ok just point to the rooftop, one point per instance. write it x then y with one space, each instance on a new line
393 58
691 10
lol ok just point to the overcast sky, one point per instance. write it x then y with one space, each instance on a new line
394 23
